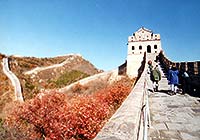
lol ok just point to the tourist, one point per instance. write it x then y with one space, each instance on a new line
169 70
185 82
173 79
155 77
150 67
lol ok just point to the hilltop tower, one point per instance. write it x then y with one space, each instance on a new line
143 40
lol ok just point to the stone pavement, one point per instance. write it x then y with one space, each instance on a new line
174 117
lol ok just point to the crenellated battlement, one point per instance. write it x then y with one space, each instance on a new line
191 67
143 34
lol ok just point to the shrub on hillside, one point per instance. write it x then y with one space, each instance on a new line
69 77
55 116
80 89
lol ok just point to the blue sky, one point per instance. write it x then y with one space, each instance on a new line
97 29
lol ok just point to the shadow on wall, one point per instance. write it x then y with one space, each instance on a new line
141 69
122 69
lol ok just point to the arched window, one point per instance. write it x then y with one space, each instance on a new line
148 49
140 47
155 46
133 47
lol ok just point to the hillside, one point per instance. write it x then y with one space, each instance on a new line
53 73
71 84
50 73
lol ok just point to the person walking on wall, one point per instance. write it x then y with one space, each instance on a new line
169 70
173 79
150 67
155 77
185 82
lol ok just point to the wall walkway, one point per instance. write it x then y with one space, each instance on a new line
14 80
174 117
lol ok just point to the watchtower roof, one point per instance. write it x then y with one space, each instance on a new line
144 30
143 34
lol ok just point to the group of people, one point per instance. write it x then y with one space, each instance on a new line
173 77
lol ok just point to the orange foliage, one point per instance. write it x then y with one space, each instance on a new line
56 116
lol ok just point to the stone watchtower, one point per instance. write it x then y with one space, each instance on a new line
143 40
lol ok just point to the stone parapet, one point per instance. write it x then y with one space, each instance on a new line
125 123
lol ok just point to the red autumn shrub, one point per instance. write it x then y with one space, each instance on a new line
39 115
115 95
55 116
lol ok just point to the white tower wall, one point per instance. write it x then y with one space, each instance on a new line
140 42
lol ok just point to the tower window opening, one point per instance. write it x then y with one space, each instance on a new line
133 47
155 46
148 49
140 47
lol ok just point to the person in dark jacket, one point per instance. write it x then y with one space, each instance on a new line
155 77
150 67
173 79
185 82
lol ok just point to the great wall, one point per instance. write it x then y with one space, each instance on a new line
146 114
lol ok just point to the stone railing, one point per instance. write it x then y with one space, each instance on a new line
125 123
